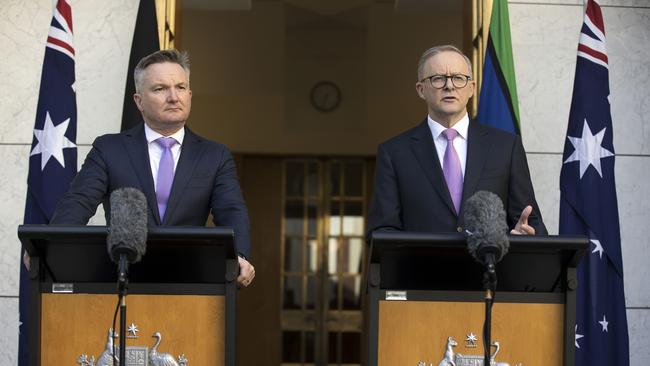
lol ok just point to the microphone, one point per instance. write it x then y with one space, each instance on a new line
127 238
486 228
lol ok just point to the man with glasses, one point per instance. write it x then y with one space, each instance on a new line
424 175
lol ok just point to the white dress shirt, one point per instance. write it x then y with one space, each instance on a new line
460 142
155 150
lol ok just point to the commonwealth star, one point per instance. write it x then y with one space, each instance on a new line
588 149
52 141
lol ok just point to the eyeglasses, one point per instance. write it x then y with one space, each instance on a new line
440 81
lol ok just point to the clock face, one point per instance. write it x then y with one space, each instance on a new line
325 96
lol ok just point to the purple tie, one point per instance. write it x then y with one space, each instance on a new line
165 174
451 169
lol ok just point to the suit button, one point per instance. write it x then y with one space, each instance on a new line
459 229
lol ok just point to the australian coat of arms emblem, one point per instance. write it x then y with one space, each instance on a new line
135 355
450 358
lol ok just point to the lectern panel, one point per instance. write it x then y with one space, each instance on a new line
417 331
73 325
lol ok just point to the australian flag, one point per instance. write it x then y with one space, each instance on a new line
588 204
53 157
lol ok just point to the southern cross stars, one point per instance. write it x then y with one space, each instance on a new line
598 247
604 323
578 336
588 149
52 141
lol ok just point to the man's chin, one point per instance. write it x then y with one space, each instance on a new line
174 118
450 111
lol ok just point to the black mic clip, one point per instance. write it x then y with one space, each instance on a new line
123 274
490 274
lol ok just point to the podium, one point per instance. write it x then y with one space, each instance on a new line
425 301
180 304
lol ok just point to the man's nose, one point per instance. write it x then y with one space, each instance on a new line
172 96
448 84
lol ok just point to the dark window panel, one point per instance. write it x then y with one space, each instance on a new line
353 179
292 292
295 178
350 347
290 346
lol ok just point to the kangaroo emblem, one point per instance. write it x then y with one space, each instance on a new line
448 359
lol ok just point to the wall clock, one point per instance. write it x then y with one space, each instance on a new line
325 96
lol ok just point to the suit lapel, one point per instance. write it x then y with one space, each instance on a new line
426 155
477 154
190 152
136 146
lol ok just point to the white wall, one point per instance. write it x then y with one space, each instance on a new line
545 39
103 31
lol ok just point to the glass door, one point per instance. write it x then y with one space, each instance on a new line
324 203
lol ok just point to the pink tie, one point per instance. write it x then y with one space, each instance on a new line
451 169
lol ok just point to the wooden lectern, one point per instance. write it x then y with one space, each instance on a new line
180 303
425 303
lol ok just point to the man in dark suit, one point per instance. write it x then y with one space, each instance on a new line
183 176
424 175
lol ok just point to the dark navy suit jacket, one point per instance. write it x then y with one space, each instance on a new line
411 193
205 181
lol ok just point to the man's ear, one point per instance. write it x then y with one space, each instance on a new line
419 88
137 98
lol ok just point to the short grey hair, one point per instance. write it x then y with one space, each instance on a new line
159 57
436 50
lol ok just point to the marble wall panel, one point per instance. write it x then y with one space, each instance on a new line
103 35
545 2
103 31
8 331
544 45
603 3
638 323
624 3
628 37
632 177
23 31
13 181
545 174
544 42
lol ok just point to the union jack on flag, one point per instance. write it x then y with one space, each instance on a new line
53 157
588 204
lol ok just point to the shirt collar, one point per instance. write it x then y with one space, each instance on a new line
152 135
461 127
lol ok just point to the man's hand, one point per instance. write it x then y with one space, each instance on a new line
246 273
26 260
522 227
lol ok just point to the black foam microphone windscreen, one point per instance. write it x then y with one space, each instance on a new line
128 226
485 226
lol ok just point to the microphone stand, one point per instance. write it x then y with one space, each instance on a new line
122 286
490 285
